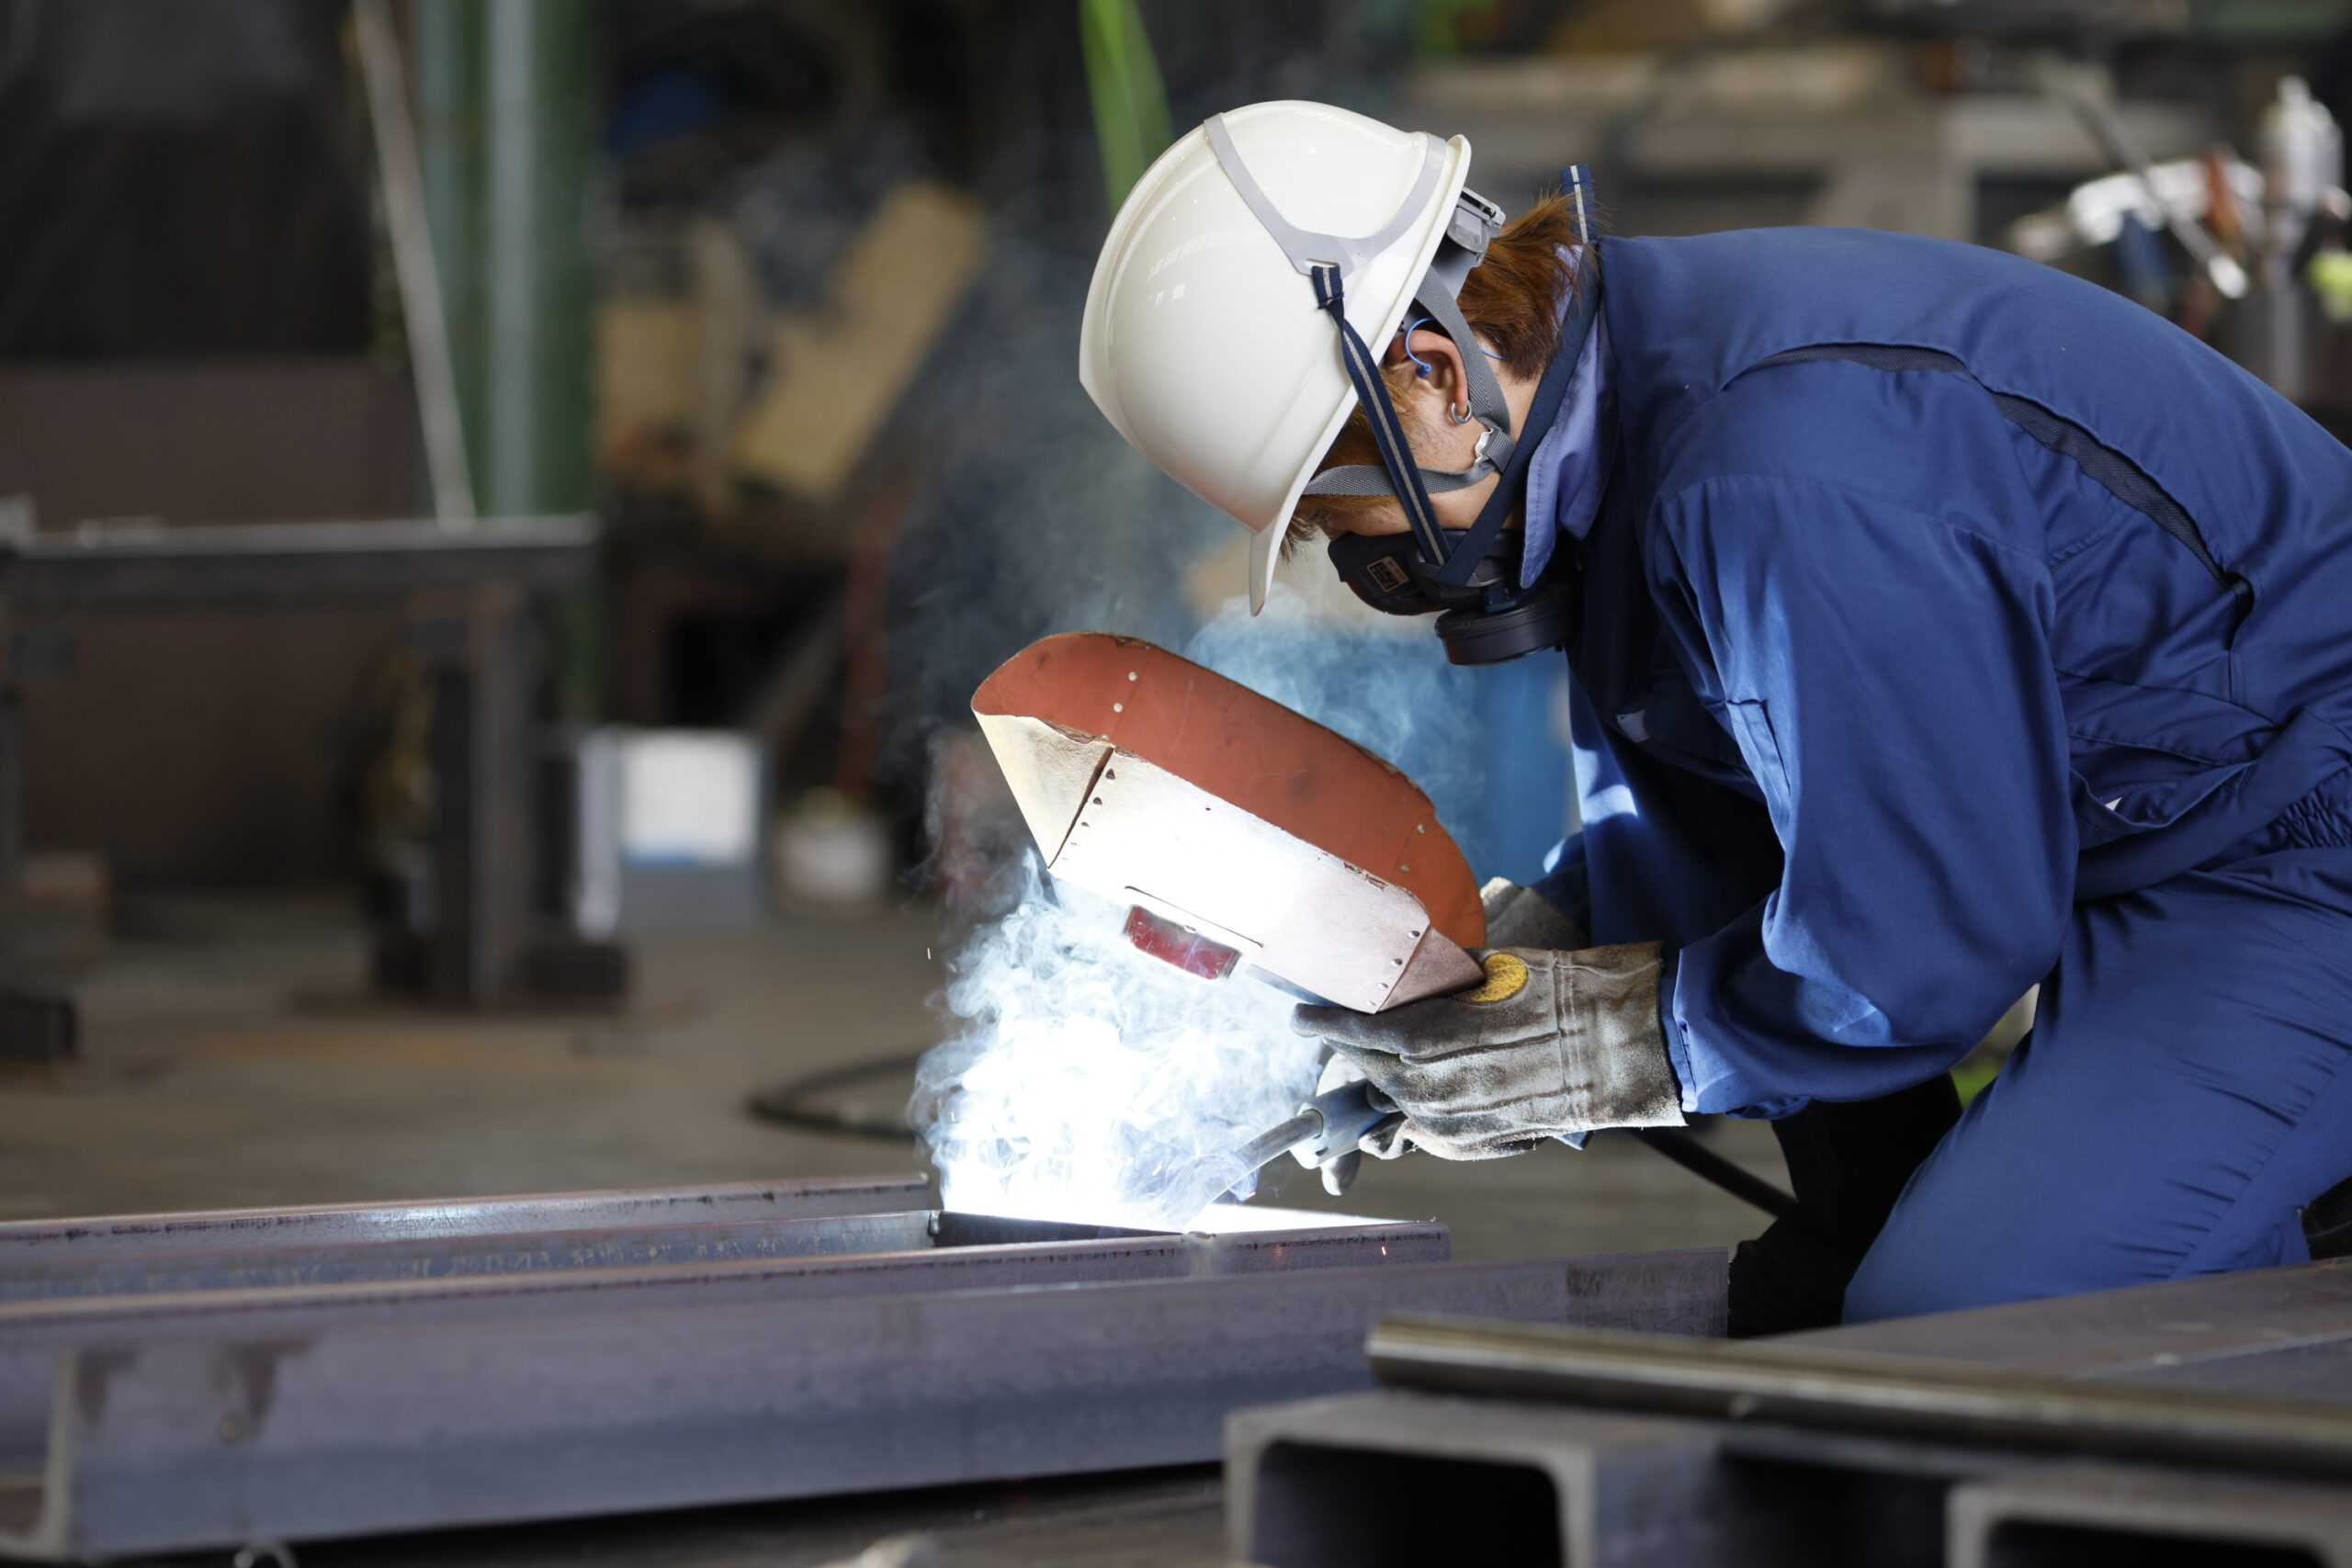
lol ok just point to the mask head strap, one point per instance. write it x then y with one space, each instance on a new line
1576 180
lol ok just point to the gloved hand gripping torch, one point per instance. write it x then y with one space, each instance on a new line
1329 1133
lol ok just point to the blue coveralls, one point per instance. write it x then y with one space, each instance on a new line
1951 624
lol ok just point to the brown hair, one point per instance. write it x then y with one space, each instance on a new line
1512 300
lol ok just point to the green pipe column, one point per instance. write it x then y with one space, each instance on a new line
507 107
507 115
538 120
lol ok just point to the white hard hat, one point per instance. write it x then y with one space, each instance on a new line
1203 344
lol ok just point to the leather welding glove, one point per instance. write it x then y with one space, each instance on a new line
1551 1045
1520 917
1340 1070
1516 917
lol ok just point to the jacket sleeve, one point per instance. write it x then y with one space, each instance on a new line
1662 854
1886 676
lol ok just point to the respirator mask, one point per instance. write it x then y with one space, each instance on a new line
1468 577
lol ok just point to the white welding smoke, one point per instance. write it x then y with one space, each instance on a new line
1092 1083
1088 1082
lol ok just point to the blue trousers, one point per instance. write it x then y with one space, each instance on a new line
2187 1085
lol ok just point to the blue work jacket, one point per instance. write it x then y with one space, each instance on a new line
1933 590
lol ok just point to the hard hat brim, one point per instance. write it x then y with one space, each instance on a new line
1265 556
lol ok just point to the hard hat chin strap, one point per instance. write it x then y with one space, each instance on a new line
1387 432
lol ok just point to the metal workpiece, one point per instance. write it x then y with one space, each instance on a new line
91 1239
439 1257
1014 1254
180 1382
434 1257
1852 1390
2070 1515
163 1446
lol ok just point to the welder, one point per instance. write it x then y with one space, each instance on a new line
1940 625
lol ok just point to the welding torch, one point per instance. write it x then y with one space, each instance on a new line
1329 1133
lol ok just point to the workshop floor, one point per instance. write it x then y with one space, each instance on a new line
230 1058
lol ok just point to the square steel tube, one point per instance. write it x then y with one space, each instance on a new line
2070 1514
1314 1484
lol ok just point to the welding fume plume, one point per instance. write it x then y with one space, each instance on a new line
1086 1083
1226 834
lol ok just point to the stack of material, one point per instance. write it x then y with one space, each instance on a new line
2204 1420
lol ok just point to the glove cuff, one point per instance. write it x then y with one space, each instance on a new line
1520 917
1609 995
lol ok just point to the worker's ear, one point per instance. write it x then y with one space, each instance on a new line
1438 383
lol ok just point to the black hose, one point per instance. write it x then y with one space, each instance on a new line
1701 1161
789 1104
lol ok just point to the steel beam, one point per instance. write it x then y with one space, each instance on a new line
90 1240
1008 1259
434 1257
1856 1392
2127 1333
176 1446
175 1382
926 1234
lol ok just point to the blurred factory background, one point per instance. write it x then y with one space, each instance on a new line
503 503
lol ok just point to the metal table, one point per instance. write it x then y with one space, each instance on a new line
466 587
